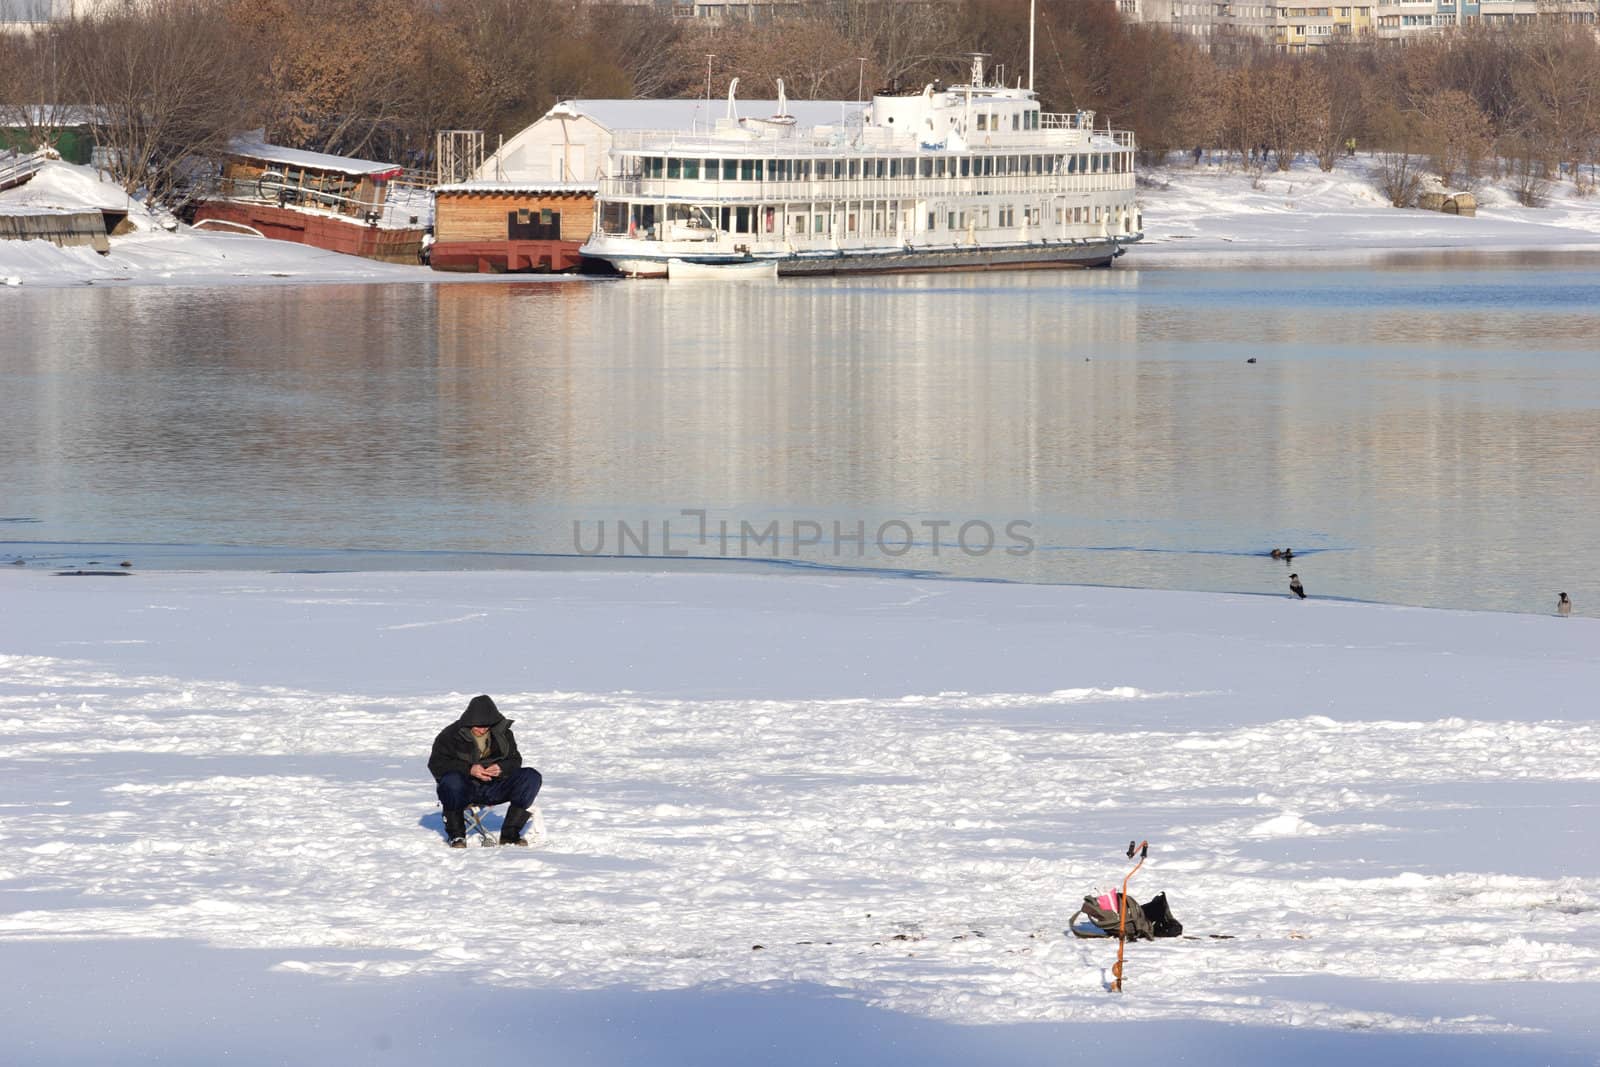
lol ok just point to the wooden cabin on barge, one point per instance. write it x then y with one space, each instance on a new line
505 227
332 202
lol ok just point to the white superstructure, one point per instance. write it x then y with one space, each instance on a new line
970 177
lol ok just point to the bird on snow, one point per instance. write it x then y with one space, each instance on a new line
1563 606
1295 587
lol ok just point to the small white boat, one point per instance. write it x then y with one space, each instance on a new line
679 270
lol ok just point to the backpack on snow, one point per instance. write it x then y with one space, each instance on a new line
1144 922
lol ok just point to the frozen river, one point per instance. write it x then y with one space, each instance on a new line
1419 428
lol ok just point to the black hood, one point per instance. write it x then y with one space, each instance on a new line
481 712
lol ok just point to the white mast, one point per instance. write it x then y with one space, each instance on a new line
1033 10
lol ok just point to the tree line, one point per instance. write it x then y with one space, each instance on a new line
173 80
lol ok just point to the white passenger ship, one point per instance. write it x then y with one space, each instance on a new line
970 177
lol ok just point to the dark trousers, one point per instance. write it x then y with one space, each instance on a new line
458 791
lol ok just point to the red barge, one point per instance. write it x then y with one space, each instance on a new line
352 206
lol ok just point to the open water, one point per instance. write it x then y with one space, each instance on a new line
1420 429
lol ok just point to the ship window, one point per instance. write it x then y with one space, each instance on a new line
803 169
760 172
691 168
799 223
1016 122
966 166
933 221
883 168
988 164
952 221
747 169
1072 164
522 216
983 121
674 168
712 167
817 224
730 170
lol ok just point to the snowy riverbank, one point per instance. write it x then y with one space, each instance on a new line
159 251
1219 208
218 823
1208 210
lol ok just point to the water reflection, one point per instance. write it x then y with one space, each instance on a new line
1418 433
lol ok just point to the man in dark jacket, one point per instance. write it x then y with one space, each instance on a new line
475 761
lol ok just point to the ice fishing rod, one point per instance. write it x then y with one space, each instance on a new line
1143 849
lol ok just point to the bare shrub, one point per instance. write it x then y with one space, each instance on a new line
164 82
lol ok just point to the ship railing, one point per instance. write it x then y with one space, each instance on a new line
269 188
1059 136
16 168
1066 120
702 138
873 189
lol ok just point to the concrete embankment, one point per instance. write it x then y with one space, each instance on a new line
64 228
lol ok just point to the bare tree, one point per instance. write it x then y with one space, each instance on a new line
31 89
1340 114
1458 135
163 83
1399 161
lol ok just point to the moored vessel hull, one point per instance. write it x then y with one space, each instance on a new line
890 260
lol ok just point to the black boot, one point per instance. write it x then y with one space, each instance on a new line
511 829
455 829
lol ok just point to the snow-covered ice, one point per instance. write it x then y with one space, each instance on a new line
898 789
1220 208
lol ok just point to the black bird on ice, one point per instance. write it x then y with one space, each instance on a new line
1295 587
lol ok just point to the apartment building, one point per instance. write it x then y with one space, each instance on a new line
1300 29
1403 19
1306 27
715 10
1209 23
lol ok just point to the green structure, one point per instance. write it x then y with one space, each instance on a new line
71 131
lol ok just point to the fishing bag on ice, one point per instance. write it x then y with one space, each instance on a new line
1098 917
